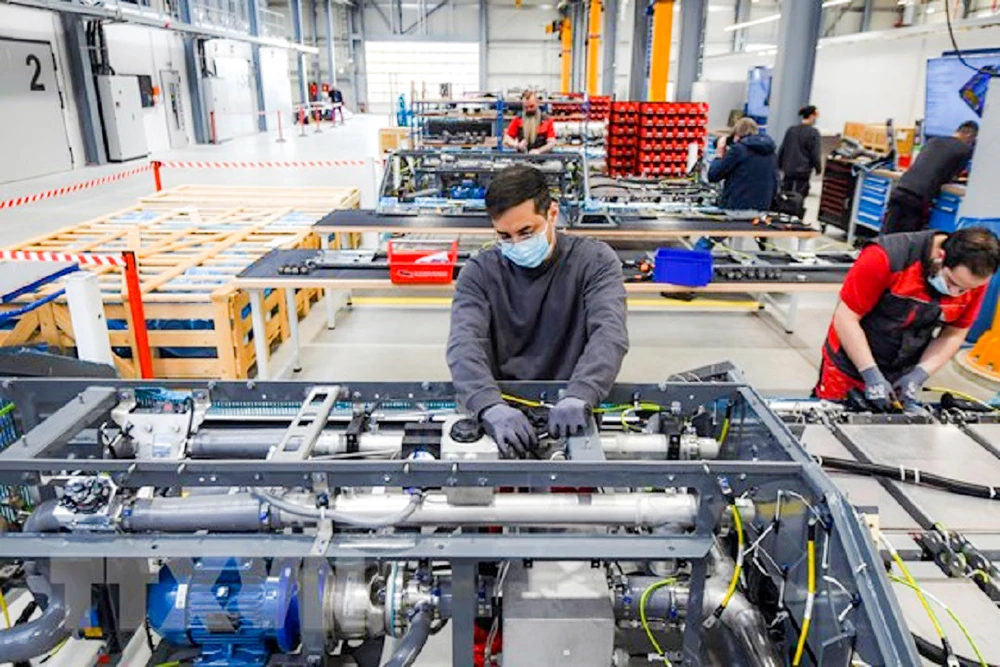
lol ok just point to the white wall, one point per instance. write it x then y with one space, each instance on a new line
867 80
21 23
277 86
231 63
135 50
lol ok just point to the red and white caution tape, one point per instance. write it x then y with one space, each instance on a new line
58 192
266 164
83 259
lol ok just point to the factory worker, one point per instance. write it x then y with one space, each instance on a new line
536 306
530 133
904 310
940 162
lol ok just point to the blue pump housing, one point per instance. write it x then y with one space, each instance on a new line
235 610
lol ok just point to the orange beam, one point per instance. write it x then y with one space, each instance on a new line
659 71
594 46
566 36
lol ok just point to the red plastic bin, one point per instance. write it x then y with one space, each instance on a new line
405 267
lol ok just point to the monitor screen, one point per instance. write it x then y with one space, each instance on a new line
955 93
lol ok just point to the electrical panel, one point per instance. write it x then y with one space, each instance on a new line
121 111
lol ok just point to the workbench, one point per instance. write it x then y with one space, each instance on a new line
265 274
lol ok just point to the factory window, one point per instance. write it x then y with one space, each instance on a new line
394 66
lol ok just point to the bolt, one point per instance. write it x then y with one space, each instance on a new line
386 478
356 396
213 478
482 481
149 428
201 480
257 477
662 386
251 385
425 385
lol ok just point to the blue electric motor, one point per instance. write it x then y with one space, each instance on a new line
235 610
469 189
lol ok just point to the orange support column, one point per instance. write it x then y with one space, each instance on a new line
984 357
566 38
659 70
594 47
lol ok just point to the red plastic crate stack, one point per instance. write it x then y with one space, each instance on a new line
600 108
666 129
622 138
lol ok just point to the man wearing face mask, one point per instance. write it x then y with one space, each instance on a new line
904 311
530 133
537 306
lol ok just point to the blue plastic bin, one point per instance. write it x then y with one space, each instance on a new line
677 266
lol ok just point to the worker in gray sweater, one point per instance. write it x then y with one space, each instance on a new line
537 306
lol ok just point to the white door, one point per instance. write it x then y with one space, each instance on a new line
393 67
32 126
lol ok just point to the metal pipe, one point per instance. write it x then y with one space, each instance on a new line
412 643
35 638
745 621
235 513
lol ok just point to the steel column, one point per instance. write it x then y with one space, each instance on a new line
566 54
579 47
254 15
610 63
741 15
640 40
967 6
693 14
594 47
793 71
82 85
484 44
331 50
296 6
192 65
866 15
659 67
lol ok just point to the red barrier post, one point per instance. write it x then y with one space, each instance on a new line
134 290
156 174
302 120
318 117
211 122
281 137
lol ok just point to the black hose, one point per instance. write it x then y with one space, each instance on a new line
936 654
413 641
910 476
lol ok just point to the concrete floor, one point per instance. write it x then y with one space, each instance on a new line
369 342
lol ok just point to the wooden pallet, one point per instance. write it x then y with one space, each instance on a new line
190 242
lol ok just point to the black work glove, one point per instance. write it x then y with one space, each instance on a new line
570 416
908 387
510 429
878 391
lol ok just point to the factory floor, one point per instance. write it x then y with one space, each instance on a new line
667 336
386 338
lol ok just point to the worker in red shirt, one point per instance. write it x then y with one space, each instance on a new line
904 310
530 133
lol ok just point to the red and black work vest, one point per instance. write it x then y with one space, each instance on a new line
910 313
541 138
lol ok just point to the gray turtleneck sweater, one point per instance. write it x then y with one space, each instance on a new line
564 320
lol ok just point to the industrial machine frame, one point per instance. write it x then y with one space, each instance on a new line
761 461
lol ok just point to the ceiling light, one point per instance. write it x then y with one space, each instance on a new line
746 24
835 3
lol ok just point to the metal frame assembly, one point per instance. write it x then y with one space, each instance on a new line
293 524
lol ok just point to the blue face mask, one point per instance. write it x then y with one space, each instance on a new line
938 282
529 253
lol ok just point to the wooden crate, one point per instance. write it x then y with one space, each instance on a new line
393 138
190 242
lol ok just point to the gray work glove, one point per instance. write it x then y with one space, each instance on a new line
908 387
878 391
570 416
510 429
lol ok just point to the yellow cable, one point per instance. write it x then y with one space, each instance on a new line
738 520
6 611
909 578
521 401
961 626
982 575
625 425
725 432
811 596
642 614
960 394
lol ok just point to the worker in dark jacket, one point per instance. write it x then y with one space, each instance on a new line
537 306
799 155
905 308
941 160
748 166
